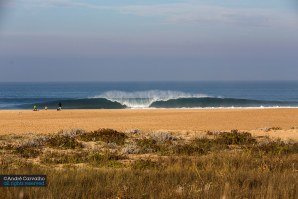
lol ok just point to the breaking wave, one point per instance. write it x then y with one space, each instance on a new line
144 99
155 99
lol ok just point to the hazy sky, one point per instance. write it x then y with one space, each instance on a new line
137 40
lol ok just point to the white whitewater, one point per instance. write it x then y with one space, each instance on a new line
143 99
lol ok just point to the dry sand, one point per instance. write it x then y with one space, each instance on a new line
183 120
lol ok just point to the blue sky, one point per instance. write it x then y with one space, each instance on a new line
96 40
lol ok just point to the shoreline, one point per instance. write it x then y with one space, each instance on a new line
154 108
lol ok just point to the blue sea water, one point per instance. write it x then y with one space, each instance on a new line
118 95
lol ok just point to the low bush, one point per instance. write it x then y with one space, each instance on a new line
188 149
198 146
235 137
105 135
276 147
64 157
144 165
130 148
106 159
97 158
148 145
63 141
28 152
273 129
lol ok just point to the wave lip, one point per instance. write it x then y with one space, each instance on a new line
144 99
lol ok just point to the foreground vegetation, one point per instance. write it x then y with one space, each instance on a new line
133 164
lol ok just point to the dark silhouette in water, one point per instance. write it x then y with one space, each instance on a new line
59 106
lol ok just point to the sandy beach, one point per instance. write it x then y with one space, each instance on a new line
182 120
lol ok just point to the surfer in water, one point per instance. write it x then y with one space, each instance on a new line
59 106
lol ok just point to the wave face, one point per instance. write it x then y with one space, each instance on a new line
218 102
145 99
11 103
99 103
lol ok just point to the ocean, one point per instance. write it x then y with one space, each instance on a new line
120 95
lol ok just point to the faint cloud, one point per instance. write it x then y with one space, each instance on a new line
59 3
4 4
197 13
185 13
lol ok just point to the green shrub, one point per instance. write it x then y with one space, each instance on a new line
203 142
144 165
235 137
105 135
148 145
276 147
28 152
197 146
188 149
74 157
275 128
106 159
64 157
62 141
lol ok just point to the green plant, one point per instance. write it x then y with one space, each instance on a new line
273 129
188 149
148 145
105 159
144 165
62 141
105 135
235 137
28 152
276 147
64 157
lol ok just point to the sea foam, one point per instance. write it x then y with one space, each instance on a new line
144 99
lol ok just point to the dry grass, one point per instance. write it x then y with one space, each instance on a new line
157 165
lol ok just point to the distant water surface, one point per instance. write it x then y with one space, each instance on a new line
118 95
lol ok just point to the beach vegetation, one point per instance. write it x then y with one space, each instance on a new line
107 159
93 158
188 149
145 164
231 164
131 148
235 137
275 128
148 145
28 152
63 141
72 132
163 137
105 135
63 157
212 176
276 147
133 131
